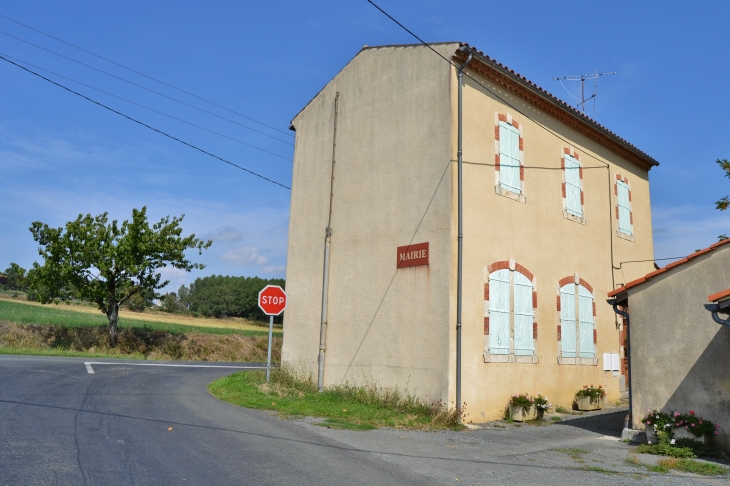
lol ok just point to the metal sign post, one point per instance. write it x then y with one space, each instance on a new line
272 300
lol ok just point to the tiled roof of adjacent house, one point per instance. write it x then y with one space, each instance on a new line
672 265
719 296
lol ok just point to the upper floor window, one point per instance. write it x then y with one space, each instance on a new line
577 332
572 185
509 163
509 322
624 215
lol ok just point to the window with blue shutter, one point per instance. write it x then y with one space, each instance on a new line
567 321
572 186
523 316
499 311
624 208
509 158
586 324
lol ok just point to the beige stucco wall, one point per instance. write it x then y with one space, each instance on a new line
679 354
391 188
536 235
396 135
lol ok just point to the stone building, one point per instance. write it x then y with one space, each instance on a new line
553 201
678 352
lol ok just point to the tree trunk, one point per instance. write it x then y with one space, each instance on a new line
113 316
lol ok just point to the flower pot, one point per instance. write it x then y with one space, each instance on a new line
681 433
585 404
651 436
518 414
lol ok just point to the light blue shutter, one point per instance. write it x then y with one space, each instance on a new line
567 320
523 316
509 158
624 208
572 186
585 315
499 312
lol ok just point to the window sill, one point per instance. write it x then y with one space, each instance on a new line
509 194
575 219
578 361
625 236
510 358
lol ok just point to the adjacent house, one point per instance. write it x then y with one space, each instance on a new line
553 202
679 354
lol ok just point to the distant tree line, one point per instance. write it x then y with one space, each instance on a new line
221 296
14 277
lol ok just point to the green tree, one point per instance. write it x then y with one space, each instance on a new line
16 277
107 263
724 203
169 302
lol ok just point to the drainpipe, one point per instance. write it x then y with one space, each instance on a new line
459 292
613 303
715 308
326 271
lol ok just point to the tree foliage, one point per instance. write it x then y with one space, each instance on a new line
219 296
16 277
108 263
724 203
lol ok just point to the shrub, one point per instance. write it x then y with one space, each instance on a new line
522 400
542 404
665 422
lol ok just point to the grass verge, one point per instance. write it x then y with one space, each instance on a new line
138 343
344 406
52 315
694 467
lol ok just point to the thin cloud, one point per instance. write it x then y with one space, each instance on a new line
247 255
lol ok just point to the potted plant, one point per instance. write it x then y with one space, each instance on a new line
542 405
663 427
521 407
591 398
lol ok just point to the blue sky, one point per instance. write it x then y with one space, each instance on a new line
61 156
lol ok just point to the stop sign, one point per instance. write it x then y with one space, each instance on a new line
272 300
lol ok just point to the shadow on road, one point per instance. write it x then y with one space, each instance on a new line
611 423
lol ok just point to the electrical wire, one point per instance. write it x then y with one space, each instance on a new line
148 89
144 124
496 94
147 108
143 74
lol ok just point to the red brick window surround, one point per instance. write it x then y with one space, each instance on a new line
572 186
509 158
514 291
624 212
577 335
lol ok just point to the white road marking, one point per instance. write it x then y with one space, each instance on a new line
91 370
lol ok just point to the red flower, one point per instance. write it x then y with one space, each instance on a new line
691 412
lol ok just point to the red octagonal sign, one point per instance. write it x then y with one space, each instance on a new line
272 300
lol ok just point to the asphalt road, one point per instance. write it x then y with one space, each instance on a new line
61 424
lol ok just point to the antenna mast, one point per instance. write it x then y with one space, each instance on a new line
583 78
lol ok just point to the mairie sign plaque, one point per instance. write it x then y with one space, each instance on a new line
413 255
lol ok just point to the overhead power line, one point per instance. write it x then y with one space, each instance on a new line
144 124
495 92
147 107
148 89
142 74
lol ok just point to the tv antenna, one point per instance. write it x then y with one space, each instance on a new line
583 78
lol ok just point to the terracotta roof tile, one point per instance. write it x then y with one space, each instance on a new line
684 260
719 295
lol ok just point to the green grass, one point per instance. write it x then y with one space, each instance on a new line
597 469
694 467
50 315
665 450
635 462
345 406
555 418
333 423
73 354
